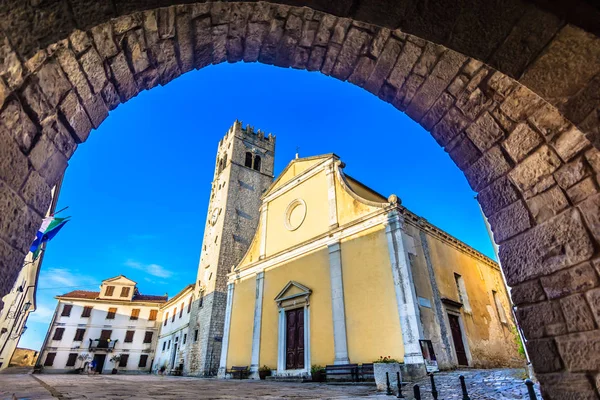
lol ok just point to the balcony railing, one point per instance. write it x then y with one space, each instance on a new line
107 345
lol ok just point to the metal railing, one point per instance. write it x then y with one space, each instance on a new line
435 393
107 345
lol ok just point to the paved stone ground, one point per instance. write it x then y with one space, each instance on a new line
483 385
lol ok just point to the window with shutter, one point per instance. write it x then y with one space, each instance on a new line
123 360
125 292
49 359
190 306
181 311
105 334
166 319
111 313
87 311
184 338
164 345
72 359
58 334
153 314
143 361
174 314
148 337
135 313
129 336
66 311
79 335
109 291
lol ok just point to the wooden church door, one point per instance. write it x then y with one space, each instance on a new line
294 339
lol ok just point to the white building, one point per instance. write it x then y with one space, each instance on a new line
116 321
173 339
20 301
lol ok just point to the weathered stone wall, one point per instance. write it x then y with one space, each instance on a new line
535 172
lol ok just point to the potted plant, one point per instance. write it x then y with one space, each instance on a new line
317 372
383 365
115 359
83 357
263 372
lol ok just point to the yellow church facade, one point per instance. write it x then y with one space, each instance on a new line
338 274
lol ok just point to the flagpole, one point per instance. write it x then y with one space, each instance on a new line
63 209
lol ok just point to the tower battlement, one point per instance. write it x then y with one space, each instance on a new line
258 137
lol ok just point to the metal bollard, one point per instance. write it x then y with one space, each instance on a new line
434 391
387 382
417 391
400 395
530 391
464 388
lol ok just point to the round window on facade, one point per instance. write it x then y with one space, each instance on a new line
295 214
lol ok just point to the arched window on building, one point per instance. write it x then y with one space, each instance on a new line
257 163
248 162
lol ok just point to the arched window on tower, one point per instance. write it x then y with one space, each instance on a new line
248 162
220 166
257 163
224 161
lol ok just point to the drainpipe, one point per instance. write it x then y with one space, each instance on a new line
530 372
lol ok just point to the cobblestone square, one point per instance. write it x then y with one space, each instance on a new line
502 384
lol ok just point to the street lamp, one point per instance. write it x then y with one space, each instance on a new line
26 306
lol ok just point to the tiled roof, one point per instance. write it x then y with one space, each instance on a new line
84 294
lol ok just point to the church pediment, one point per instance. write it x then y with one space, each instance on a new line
293 292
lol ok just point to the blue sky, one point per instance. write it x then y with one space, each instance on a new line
138 189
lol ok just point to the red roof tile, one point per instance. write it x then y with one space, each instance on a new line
84 294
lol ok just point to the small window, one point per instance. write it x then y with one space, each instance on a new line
72 359
248 161
123 360
135 314
109 291
111 313
49 359
224 161
462 293
148 337
129 336
164 345
499 308
257 163
79 335
190 306
125 291
176 339
58 334
87 311
66 311
196 335
169 345
174 314
143 361
184 338
166 319
181 311
153 314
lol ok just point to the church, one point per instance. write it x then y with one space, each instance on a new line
336 273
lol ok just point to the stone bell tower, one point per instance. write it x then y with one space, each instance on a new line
243 172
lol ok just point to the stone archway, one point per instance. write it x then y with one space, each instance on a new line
534 169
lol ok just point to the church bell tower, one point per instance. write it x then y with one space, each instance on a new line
243 172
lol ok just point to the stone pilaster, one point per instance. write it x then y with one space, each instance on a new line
254 362
340 341
225 343
406 297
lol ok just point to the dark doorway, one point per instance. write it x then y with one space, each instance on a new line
174 356
100 359
294 339
459 346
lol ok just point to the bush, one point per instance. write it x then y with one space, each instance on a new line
386 360
316 368
265 368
